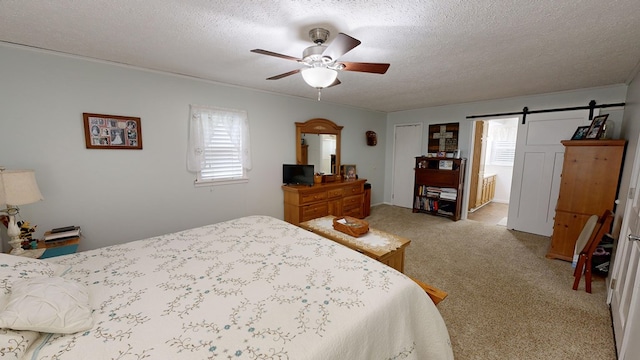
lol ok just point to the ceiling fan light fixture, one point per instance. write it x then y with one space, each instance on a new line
319 77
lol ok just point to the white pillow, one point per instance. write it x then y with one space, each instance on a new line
14 343
52 305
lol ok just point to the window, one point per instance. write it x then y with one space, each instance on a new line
501 141
219 151
503 153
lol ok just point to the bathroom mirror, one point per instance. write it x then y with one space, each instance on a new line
318 144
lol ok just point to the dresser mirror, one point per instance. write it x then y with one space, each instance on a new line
318 144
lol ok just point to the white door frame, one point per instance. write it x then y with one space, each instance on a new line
624 291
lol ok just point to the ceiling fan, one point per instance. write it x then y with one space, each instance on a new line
321 63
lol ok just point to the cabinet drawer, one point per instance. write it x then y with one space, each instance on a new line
334 193
355 212
350 202
313 197
354 189
311 212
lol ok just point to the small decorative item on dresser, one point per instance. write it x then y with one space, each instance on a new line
351 226
349 172
327 178
26 233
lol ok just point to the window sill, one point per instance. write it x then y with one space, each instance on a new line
203 183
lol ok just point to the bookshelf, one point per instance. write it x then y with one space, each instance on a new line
438 186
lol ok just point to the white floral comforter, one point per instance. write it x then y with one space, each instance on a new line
250 288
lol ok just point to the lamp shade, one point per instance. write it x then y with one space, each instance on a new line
18 187
319 77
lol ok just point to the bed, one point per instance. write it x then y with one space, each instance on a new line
250 288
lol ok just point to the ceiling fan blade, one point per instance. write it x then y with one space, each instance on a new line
337 82
271 53
377 68
284 75
341 45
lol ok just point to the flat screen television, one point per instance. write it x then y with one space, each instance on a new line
297 174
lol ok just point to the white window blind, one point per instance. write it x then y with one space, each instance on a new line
503 153
219 150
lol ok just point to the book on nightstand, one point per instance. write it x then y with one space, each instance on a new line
60 235
59 247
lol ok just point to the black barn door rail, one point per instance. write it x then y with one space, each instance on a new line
525 111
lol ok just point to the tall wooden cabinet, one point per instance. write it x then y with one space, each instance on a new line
588 186
438 186
340 198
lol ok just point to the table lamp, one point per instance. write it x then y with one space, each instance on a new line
17 187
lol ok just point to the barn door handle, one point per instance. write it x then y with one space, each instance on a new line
633 237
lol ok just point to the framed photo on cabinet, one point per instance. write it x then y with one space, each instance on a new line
597 125
580 133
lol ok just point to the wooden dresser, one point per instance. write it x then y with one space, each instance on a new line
588 186
304 203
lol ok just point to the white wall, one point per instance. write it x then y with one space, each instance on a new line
122 195
459 112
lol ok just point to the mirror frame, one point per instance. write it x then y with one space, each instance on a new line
318 126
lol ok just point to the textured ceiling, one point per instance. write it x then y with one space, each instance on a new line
441 52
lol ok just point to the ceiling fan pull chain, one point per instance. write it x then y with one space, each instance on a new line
319 94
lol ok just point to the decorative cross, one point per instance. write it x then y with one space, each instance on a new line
443 135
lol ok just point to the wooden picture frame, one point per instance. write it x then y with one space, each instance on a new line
597 125
349 172
443 138
580 133
112 132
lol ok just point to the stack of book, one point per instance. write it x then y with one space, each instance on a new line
60 235
448 194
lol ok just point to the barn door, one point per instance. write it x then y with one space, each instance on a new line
537 168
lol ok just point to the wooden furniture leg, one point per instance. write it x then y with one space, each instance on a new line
577 273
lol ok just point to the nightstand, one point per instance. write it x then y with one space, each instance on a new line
32 253
59 248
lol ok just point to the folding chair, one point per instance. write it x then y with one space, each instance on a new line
586 254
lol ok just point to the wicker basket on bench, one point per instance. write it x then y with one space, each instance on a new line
351 226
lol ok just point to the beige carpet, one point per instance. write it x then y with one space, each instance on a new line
506 300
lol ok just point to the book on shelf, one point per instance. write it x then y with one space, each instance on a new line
62 235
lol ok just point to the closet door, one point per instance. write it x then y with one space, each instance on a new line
407 145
